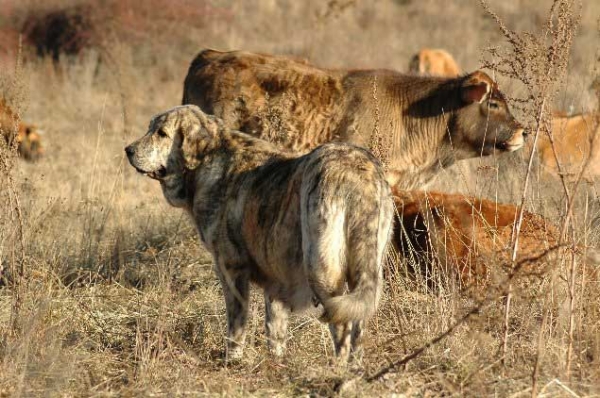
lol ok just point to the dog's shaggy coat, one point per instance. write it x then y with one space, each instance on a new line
301 227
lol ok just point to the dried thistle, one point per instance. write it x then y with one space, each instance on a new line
376 145
540 62
537 59
9 195
334 8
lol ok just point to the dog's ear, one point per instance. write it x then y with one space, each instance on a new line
197 139
192 146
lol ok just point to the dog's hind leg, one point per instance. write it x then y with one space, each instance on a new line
356 340
341 333
276 320
236 292
347 340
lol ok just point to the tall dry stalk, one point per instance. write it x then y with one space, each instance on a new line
376 144
11 197
539 61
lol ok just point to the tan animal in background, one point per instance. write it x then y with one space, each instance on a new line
434 62
467 239
416 124
301 227
577 144
27 135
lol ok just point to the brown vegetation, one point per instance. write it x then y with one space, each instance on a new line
105 290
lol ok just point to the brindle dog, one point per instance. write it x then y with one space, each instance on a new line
304 228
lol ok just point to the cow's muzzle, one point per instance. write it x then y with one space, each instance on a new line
515 142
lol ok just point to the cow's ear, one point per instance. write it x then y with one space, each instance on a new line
476 87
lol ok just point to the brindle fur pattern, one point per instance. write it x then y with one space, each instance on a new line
424 122
304 228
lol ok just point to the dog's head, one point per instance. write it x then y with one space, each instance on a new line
175 141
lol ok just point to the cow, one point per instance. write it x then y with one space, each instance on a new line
28 137
576 143
468 240
434 62
416 125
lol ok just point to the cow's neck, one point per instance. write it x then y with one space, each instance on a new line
420 170
419 117
418 150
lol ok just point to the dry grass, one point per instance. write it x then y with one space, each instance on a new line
111 293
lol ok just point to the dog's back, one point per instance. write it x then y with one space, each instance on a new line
324 217
306 230
346 218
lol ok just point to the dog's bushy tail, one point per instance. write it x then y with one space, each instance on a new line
366 256
358 305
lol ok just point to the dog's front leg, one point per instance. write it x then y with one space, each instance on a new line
276 320
236 291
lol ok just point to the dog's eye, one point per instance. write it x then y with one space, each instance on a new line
162 133
493 105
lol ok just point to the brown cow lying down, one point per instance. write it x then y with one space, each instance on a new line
435 62
27 135
469 239
577 142
415 124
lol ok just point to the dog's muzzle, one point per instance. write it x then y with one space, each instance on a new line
158 174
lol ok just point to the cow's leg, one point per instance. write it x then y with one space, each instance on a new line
236 291
276 320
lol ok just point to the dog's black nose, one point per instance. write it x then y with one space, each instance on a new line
129 150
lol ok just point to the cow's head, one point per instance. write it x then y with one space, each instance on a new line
484 123
29 141
13 129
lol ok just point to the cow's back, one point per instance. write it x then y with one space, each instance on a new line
467 237
436 62
283 100
299 106
577 144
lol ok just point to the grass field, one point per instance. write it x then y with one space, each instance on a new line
106 290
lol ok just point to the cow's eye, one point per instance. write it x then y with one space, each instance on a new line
493 105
